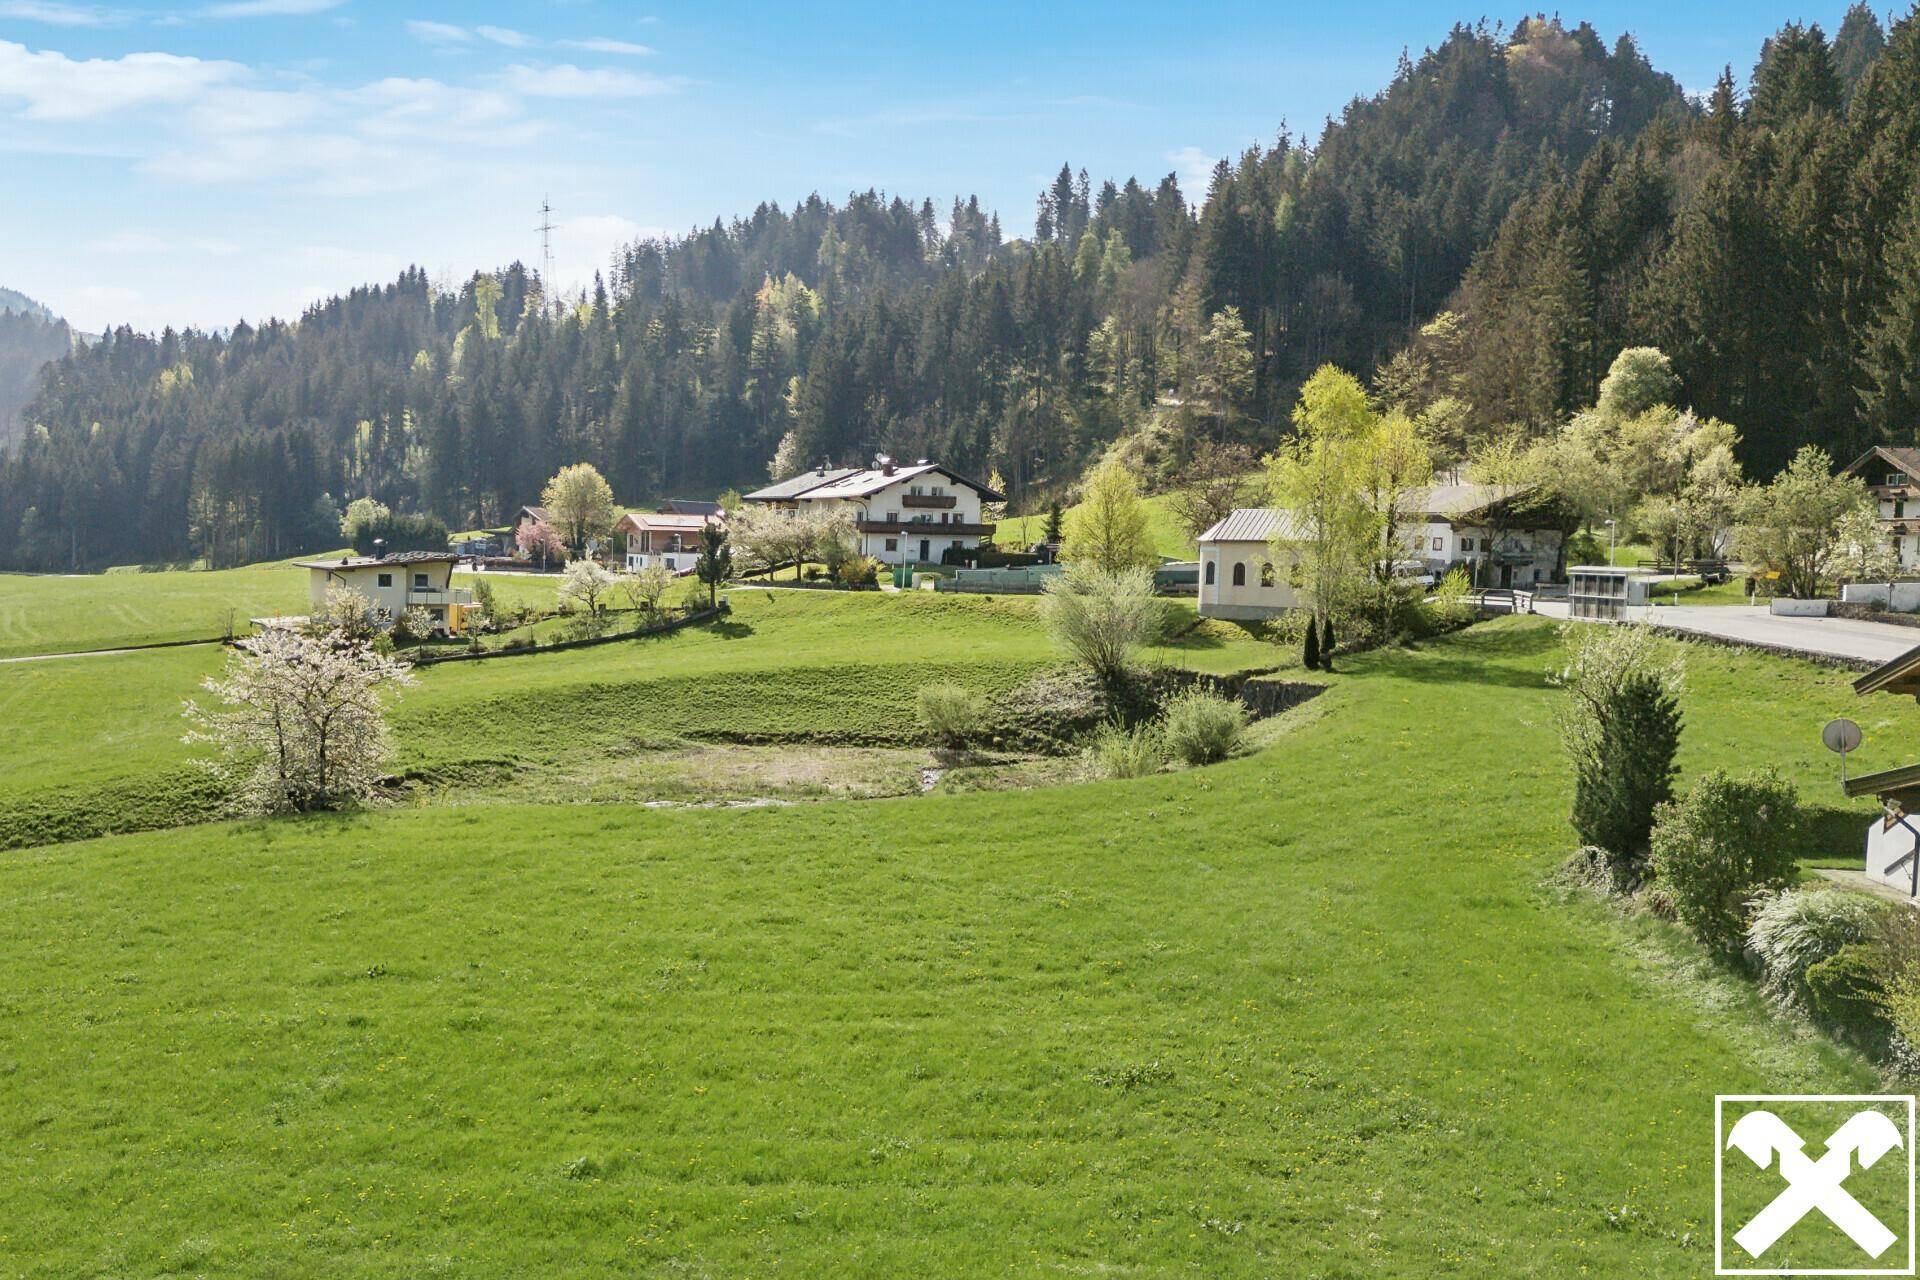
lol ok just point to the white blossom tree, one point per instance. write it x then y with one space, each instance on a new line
585 583
301 722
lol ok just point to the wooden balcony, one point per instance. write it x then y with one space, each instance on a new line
938 501
925 528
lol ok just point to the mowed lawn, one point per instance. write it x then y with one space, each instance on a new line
1306 1013
73 614
95 742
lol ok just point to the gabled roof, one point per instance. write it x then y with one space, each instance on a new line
538 513
1904 456
368 562
1464 501
1254 524
864 484
690 507
664 520
1901 675
794 486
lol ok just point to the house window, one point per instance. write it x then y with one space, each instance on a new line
1266 575
1438 544
419 582
1899 508
893 517
1240 574
1896 477
1466 544
386 579
893 544
1209 573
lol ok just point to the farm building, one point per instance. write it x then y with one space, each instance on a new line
902 514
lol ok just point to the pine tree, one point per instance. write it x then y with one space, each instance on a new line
1326 642
1311 657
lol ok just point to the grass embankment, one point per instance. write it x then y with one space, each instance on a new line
1305 1012
95 742
1017 533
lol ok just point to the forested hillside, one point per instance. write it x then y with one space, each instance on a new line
1549 197
30 336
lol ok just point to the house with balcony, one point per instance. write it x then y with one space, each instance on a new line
396 583
1503 536
1891 472
668 539
902 514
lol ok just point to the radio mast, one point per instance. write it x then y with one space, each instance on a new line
546 252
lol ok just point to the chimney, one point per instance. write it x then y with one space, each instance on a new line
379 548
884 463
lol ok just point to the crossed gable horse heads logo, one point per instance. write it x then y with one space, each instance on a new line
1814 1185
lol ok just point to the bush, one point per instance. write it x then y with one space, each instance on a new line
1117 751
856 571
952 714
1727 840
1796 930
414 626
1201 728
1621 728
1103 618
1847 989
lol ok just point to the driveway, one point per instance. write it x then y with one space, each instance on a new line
1862 641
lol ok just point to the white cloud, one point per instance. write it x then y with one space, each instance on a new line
603 44
269 8
564 80
53 86
504 35
438 32
1195 168
57 13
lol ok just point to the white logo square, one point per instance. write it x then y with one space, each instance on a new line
1769 1140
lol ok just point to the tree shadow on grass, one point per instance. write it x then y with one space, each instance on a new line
1835 837
729 629
1511 657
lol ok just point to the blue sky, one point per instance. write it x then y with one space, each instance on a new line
197 163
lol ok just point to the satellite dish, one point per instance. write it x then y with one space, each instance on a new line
1841 735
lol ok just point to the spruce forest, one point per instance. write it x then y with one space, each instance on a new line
1477 241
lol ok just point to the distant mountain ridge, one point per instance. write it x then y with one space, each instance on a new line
12 300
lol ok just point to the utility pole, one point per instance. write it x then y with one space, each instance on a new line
546 252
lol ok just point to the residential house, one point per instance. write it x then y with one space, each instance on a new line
1240 575
902 514
395 584
1892 853
668 539
1500 535
1890 472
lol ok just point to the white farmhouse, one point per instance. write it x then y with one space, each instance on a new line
1500 536
1240 575
1892 475
901 514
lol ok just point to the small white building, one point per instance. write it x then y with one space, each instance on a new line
1241 576
902 514
395 584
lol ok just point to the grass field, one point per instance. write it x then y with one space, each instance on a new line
57 614
1309 1012
96 744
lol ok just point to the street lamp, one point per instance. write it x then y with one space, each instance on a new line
1612 529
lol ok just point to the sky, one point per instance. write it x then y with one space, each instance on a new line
201 163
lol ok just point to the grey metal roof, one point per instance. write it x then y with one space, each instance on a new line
364 562
1254 524
794 486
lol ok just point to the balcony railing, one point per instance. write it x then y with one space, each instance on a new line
431 595
925 528
939 501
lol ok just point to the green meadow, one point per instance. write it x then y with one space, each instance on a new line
96 741
1312 1011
